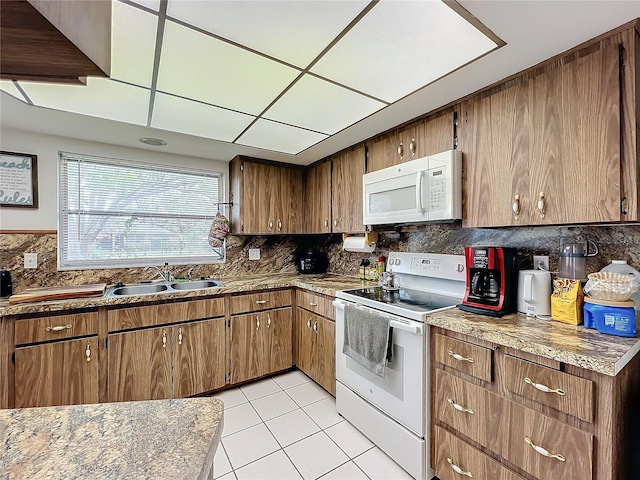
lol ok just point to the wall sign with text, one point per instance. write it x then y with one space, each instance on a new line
18 180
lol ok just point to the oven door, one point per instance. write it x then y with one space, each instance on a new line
401 393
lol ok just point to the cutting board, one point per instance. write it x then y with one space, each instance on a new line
58 293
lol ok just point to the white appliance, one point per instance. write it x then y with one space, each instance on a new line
423 190
393 411
534 293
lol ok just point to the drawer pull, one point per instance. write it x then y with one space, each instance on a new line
311 304
458 470
543 451
543 388
261 302
460 408
460 357
58 328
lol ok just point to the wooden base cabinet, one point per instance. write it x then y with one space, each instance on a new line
260 344
316 343
59 373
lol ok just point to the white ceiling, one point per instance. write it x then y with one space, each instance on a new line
276 98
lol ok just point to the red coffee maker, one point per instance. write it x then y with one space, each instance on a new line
492 281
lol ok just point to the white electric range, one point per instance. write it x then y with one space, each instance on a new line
393 411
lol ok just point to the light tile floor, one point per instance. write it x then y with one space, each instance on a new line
286 427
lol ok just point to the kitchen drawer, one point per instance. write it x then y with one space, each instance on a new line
316 303
192 310
559 390
459 404
452 453
57 327
464 357
134 317
257 302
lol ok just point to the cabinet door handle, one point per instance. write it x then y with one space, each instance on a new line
87 352
261 302
326 223
516 207
179 336
541 204
311 304
270 225
544 388
315 327
309 323
401 151
412 147
460 408
268 321
460 357
543 451
257 323
335 222
458 470
279 225
58 328
164 339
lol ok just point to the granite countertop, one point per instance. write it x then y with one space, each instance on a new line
326 284
571 344
166 439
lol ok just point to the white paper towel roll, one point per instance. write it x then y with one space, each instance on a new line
357 244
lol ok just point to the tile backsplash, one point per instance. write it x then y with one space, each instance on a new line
278 252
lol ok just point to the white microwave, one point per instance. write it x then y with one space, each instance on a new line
424 190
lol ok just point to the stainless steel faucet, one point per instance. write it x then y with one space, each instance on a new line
164 273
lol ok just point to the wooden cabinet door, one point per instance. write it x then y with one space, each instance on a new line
198 357
287 198
317 199
140 365
245 347
434 135
575 159
383 153
61 373
494 135
260 182
325 354
346 180
306 340
276 329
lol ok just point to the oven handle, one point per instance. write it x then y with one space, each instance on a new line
394 321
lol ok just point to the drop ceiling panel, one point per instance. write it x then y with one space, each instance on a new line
279 137
133 41
151 4
399 47
9 87
195 65
101 97
295 32
194 118
322 106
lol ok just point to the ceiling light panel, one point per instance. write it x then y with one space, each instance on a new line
101 98
322 106
195 65
279 137
150 4
292 31
194 118
133 41
10 87
401 46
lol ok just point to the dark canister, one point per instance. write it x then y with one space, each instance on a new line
312 261
6 288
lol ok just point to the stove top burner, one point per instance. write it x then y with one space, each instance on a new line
414 300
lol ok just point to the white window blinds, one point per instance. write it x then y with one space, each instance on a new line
115 213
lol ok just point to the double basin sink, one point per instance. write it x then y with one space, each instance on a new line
151 288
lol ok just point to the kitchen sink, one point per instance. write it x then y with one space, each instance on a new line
196 285
139 289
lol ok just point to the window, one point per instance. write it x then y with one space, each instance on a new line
116 213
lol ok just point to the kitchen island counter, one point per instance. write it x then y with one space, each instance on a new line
570 344
166 439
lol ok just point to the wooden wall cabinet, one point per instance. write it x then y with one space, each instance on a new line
346 186
317 198
547 149
489 419
315 338
267 197
55 41
419 139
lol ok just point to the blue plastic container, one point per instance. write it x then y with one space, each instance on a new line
609 319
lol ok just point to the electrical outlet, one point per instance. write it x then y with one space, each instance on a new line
30 260
541 262
254 254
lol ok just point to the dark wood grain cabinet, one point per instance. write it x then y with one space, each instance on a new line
317 198
346 188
